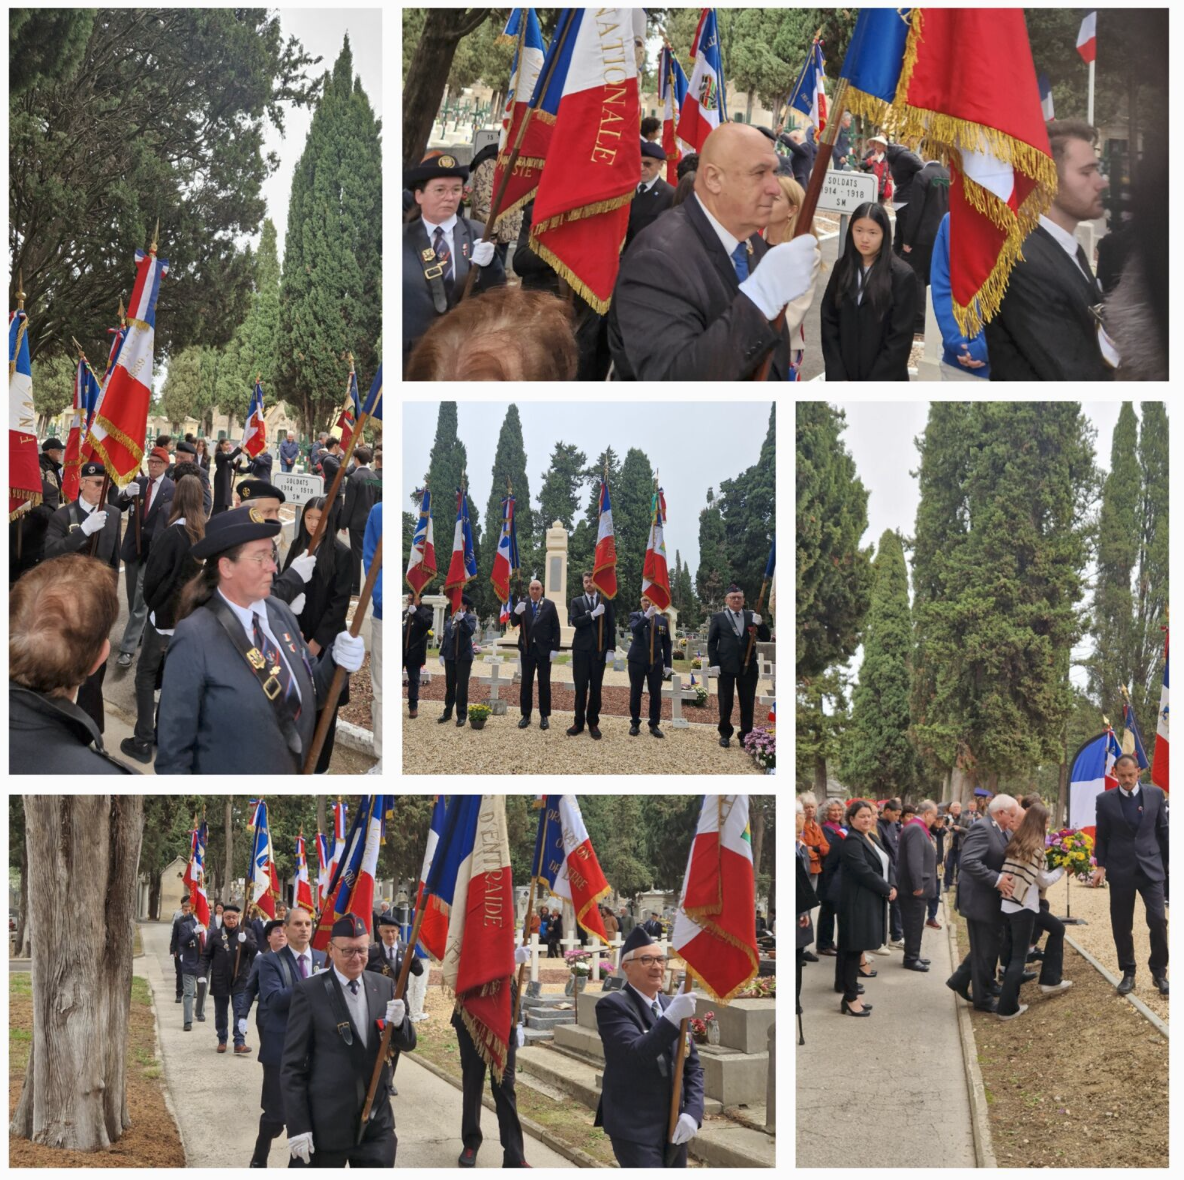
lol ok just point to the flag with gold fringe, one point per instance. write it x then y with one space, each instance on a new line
909 71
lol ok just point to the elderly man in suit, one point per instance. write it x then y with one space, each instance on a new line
888 828
439 247
697 295
417 622
1046 329
916 879
727 651
538 644
592 646
981 884
1131 850
639 1027
653 194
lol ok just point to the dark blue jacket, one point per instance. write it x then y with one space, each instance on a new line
639 649
188 944
639 1070
289 451
452 647
277 975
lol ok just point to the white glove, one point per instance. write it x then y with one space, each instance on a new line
296 606
441 660
94 522
396 1011
668 671
304 564
686 1130
714 670
681 1008
132 490
349 651
411 610
784 273
521 1036
242 937
521 955
651 611
460 614
300 1146
482 253
242 1025
520 609
598 610
553 655
756 620
610 655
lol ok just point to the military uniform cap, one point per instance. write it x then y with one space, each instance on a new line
386 918
186 448
636 940
350 926
255 489
734 589
228 529
465 600
653 150
270 926
435 166
230 908
91 469
52 444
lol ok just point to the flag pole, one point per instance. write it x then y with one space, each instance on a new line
339 673
600 621
526 923
455 629
653 519
1089 117
676 1091
760 606
810 202
495 207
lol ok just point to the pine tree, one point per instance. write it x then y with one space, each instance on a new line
331 290
509 467
1151 605
447 463
632 496
712 578
878 757
833 573
748 506
559 497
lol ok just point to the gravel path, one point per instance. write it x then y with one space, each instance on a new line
1094 906
502 748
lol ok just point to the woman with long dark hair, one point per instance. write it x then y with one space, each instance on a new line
326 595
870 301
203 455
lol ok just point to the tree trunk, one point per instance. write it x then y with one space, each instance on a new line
154 897
229 874
84 853
961 786
748 108
820 779
21 948
428 75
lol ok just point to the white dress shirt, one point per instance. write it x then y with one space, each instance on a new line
307 957
447 226
646 185
1069 243
1133 793
359 1010
646 1000
726 239
243 614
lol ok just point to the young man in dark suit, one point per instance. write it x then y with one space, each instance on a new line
592 647
1131 850
727 648
653 195
538 645
648 658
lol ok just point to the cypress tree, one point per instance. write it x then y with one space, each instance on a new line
559 497
632 497
748 506
509 464
833 573
712 577
1151 604
878 757
447 462
331 290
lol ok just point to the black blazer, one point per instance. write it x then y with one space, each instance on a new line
540 637
224 477
807 900
51 735
579 616
65 535
864 889
860 345
415 637
725 651
1044 330
920 219
151 525
1119 849
889 838
326 599
363 489
639 646
916 862
645 207
983 853
169 568
677 312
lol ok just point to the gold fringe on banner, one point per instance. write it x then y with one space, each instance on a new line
29 499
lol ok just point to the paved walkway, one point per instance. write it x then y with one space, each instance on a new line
207 1089
900 1069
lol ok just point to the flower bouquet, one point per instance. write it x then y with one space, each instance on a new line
697 663
1072 850
763 987
700 700
762 745
699 1027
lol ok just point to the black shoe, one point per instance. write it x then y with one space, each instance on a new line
1161 982
963 991
858 988
125 659
460 722
989 1006
656 732
594 732
726 742
187 1028
467 1158
847 1010
523 724
1127 983
868 974
200 1019
915 965
140 751
634 729
1027 977
178 1000
574 730
995 989
809 957
446 717
1034 956
544 723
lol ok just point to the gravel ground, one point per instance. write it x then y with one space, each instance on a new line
502 748
1094 906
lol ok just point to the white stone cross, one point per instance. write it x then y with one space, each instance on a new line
534 957
677 694
496 705
767 670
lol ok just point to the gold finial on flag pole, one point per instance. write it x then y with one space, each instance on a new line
122 312
20 291
155 235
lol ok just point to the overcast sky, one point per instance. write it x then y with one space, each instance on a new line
693 446
880 437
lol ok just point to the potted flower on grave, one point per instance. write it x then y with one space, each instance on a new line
705 1031
580 968
700 700
762 745
478 715
697 663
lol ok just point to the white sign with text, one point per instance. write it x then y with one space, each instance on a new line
844 192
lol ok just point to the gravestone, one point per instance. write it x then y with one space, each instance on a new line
555 579
497 706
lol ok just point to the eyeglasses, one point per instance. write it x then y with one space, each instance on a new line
650 960
356 952
260 559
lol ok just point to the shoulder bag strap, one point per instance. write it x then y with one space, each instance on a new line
433 271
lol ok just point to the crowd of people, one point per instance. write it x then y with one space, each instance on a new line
875 872
240 644
709 264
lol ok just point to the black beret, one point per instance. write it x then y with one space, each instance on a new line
230 908
386 918
434 166
653 150
734 589
186 448
465 600
52 444
228 529
350 926
253 489
91 469
270 926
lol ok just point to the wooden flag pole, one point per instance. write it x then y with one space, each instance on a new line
810 204
676 1093
526 924
496 207
600 621
339 673
760 606
331 498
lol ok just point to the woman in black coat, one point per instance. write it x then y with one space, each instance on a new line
326 596
870 302
867 880
224 469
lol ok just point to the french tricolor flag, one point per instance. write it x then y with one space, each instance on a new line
1087 38
809 95
525 73
255 431
1159 767
705 107
604 568
1092 773
303 885
433 930
672 93
421 561
505 560
570 869
340 820
361 899
1045 88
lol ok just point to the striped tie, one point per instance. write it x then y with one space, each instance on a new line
443 257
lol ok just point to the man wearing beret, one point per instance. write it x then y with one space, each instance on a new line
335 1025
727 647
241 689
227 958
456 654
187 464
439 247
653 194
386 955
639 1028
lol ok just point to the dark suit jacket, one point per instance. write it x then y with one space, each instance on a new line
457 641
677 312
151 525
862 893
645 207
579 616
65 535
539 638
260 466
860 345
889 838
419 312
1119 849
905 165
363 490
983 853
639 1069
377 961
326 600
224 470
324 1080
919 221
639 647
415 637
1044 330
916 863
329 465
725 651
277 975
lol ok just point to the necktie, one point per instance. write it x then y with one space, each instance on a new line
740 261
443 257
276 667
148 496
534 610
656 1009
302 960
641 188
353 986
1083 262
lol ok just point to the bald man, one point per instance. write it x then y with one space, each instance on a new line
699 289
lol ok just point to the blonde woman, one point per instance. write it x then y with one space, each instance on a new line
781 228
